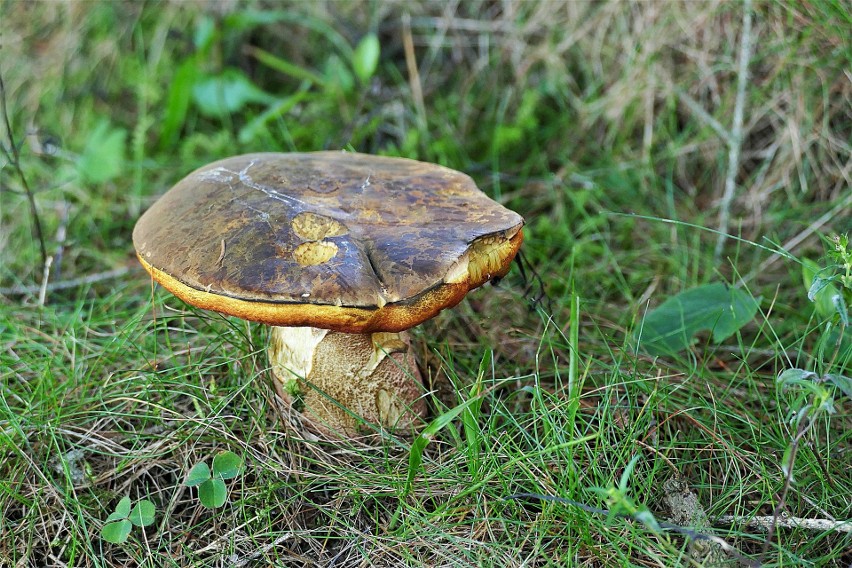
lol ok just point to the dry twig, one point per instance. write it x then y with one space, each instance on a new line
736 135
65 284
767 522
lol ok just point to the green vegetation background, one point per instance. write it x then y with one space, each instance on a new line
611 127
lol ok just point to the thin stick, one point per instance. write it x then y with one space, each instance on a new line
45 276
56 259
687 532
736 142
14 158
240 562
703 115
766 523
65 284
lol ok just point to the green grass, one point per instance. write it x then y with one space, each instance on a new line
582 117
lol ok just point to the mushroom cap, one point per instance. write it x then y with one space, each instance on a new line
342 241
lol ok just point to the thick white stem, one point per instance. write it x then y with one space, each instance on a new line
341 381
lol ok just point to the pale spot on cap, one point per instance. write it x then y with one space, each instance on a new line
314 252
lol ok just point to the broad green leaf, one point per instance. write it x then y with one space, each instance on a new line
795 376
142 514
123 507
820 290
670 327
366 57
213 493
199 473
103 157
836 343
116 532
227 93
842 382
227 465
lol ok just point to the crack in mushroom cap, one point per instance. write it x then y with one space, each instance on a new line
344 241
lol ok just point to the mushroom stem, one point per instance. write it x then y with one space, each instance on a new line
332 378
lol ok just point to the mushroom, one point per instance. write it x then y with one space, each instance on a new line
339 252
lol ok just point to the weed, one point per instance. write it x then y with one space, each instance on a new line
120 522
212 492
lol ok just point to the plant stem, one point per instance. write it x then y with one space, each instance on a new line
14 158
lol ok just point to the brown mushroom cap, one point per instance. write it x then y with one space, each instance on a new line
343 241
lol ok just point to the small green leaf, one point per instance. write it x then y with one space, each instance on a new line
142 514
817 285
227 465
213 493
365 59
840 307
205 31
842 382
103 157
115 517
116 532
795 376
123 507
337 75
836 339
199 473
627 473
227 93
714 307
820 290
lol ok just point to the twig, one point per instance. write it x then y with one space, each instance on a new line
56 259
702 114
13 158
689 533
61 235
240 562
65 284
736 139
45 276
766 523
